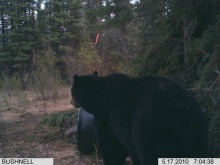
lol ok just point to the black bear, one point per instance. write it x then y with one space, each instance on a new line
145 118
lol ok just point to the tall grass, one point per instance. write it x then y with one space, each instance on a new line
11 91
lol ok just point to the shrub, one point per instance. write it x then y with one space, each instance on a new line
45 79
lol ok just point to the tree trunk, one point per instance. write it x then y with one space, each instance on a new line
186 36
3 26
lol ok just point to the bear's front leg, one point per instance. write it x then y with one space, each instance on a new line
113 152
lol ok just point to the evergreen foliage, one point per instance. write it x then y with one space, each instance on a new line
58 119
18 35
206 53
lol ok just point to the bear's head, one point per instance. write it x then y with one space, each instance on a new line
83 90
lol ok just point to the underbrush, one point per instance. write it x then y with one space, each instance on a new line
61 119
42 82
54 125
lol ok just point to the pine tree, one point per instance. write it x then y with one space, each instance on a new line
64 25
108 20
18 35
4 28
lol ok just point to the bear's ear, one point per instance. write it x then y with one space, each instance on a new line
75 77
95 73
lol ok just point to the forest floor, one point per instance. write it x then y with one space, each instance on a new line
23 136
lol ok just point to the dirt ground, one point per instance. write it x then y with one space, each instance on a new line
22 135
